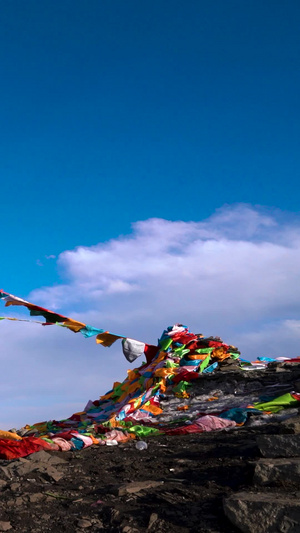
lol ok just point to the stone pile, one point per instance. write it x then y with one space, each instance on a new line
273 504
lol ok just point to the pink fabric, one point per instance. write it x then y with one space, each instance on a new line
114 434
54 446
63 444
204 423
213 423
138 416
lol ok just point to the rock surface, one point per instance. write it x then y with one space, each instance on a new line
292 425
175 486
260 513
279 445
270 471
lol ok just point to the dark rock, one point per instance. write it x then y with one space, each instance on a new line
41 462
44 457
279 445
3 484
51 473
268 471
15 487
5 526
4 471
292 425
137 486
263 513
36 497
19 501
84 524
152 520
297 385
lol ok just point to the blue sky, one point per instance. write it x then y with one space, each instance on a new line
118 112
114 112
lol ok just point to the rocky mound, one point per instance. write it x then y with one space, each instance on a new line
242 479
194 440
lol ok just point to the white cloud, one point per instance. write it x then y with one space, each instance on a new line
234 266
234 275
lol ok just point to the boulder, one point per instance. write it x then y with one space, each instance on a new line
292 425
279 445
268 471
263 513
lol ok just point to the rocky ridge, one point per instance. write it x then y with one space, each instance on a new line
242 479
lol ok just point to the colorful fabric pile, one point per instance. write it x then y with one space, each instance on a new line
156 398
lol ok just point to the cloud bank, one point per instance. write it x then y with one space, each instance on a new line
235 274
